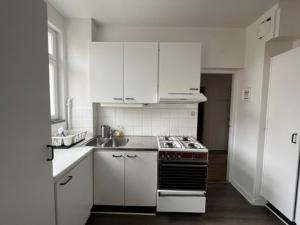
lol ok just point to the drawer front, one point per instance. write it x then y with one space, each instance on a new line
181 203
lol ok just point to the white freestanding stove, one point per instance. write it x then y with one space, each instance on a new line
182 175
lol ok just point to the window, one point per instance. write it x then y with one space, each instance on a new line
53 73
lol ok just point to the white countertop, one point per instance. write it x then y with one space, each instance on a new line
65 159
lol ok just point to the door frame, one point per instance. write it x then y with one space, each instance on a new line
233 113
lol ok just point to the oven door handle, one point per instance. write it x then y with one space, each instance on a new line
183 165
181 194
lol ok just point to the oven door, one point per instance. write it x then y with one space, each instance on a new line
182 175
181 201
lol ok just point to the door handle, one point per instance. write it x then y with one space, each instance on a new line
117 156
51 147
67 180
294 138
131 156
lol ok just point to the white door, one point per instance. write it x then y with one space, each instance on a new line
140 72
179 68
74 194
140 178
281 157
108 178
106 72
26 186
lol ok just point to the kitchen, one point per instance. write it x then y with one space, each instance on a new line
119 91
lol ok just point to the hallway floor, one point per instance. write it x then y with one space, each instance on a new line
225 206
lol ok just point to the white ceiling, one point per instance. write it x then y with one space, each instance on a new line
202 13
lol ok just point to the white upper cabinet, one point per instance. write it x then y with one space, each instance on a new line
179 69
140 72
106 72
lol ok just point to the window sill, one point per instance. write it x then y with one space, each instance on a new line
56 121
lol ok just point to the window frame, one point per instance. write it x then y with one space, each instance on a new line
53 59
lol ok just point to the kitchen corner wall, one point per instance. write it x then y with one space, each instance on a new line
79 34
247 154
152 120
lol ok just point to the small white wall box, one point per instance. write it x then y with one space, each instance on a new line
264 28
246 94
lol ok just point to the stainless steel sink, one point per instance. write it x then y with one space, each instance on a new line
108 142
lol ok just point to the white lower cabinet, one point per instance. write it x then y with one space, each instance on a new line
140 178
108 178
74 194
125 178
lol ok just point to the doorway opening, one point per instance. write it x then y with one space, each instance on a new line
213 123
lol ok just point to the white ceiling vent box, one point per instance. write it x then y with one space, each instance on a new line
264 28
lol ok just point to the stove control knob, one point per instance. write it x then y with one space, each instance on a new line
168 156
178 156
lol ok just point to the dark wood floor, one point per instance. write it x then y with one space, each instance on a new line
225 206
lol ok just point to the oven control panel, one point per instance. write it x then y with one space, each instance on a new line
173 155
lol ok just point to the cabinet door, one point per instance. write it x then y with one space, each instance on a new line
140 178
108 178
281 156
179 68
140 72
106 72
74 194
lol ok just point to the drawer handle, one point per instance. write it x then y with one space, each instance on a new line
117 156
131 156
131 99
118 99
194 89
67 180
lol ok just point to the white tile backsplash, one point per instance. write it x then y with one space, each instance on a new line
151 120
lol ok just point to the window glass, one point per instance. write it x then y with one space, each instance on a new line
53 74
50 43
52 89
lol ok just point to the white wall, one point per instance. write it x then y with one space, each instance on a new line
152 120
222 47
247 154
78 32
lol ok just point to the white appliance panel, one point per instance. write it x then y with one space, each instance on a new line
281 157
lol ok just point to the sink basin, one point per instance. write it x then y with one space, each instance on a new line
108 142
97 141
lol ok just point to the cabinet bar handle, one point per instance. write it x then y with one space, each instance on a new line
52 152
118 99
117 156
67 180
177 93
131 156
294 138
194 89
132 99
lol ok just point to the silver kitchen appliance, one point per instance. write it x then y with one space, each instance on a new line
106 131
182 175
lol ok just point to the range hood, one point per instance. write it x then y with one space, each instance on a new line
182 98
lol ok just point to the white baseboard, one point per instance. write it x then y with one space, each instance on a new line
259 201
243 192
